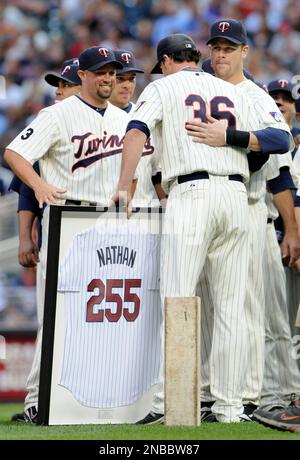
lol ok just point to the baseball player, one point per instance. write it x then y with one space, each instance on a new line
206 217
29 217
228 46
67 82
149 176
77 142
281 91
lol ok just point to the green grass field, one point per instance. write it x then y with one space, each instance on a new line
207 431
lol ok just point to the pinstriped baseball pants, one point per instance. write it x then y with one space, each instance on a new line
206 223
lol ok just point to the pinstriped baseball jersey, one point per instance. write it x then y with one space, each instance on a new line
265 114
196 96
296 167
111 351
148 166
283 160
78 148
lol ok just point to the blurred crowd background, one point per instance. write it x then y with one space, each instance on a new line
36 36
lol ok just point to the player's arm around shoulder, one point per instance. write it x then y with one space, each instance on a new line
273 135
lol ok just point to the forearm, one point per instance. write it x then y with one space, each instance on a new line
132 151
285 205
254 144
23 169
267 141
160 192
133 187
25 219
297 216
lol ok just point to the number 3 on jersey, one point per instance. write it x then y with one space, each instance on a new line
200 108
106 292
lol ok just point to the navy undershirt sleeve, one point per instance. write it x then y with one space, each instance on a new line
136 124
273 140
282 182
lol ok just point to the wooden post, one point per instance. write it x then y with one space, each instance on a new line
297 323
182 361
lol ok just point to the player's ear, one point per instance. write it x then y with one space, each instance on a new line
81 74
245 49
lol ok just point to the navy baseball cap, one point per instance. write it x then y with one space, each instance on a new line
280 85
207 67
297 104
96 57
126 58
68 73
230 29
172 44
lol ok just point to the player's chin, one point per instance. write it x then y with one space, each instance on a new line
105 94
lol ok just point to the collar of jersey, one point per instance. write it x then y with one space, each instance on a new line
128 108
192 69
97 109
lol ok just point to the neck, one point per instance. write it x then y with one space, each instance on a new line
187 65
236 78
99 103
177 66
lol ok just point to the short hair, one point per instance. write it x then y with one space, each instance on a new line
186 55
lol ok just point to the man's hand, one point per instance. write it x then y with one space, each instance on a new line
47 193
123 199
28 253
297 140
212 133
290 248
296 267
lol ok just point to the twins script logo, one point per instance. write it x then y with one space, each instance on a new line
223 26
89 149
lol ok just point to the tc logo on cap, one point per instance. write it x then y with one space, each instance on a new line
76 61
104 52
223 26
66 69
126 57
283 83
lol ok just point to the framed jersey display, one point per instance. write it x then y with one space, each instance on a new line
102 316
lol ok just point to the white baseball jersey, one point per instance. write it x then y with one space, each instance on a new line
283 160
78 149
265 114
145 194
196 96
296 167
111 351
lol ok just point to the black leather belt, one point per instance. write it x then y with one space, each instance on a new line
269 221
204 175
79 203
